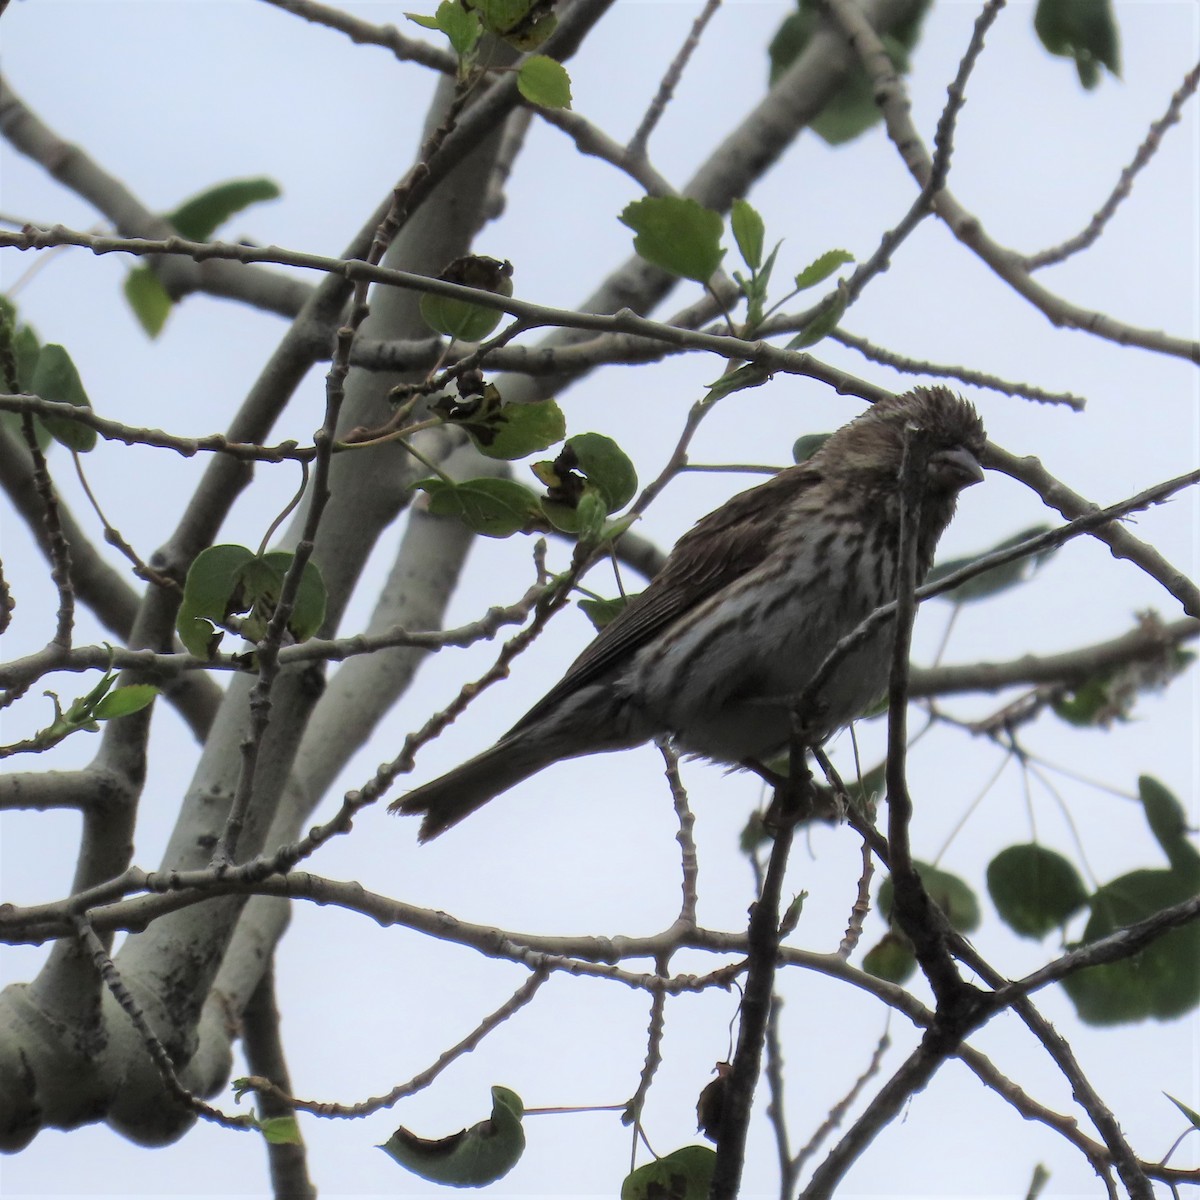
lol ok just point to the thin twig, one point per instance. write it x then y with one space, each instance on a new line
364 1108
914 366
686 836
59 550
1145 152
763 942
108 972
263 1047
670 81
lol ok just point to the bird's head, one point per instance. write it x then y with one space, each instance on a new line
870 449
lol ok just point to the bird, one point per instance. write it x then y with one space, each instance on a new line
717 651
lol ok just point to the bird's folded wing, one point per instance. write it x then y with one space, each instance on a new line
718 551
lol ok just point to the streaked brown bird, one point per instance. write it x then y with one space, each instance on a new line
748 605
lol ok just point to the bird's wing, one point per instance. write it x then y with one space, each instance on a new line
716 552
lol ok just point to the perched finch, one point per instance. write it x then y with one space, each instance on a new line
717 649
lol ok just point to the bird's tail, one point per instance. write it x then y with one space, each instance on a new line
458 793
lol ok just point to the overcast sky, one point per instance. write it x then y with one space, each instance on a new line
173 96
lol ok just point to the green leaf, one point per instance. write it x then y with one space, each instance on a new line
748 375
506 431
261 582
544 81
998 579
825 322
852 108
493 507
148 299
1162 981
281 1131
472 1157
502 15
462 319
462 27
950 893
1089 703
1034 889
805 447
791 914
1191 1114
125 700
1037 1182
22 343
210 595
891 958
789 41
604 612
749 231
226 580
55 378
523 24
822 267
603 463
1084 30
458 318
684 1174
1168 822
198 218
676 234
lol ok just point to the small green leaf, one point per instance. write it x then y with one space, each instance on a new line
852 108
461 319
604 612
55 378
825 322
684 1174
502 15
199 217
605 464
125 700
749 231
578 517
461 26
822 267
1037 1182
472 1157
281 1131
26 349
805 447
507 431
1087 704
148 299
23 344
998 579
458 318
790 40
950 893
748 375
1034 889
259 583
211 593
1084 30
493 507
891 958
1191 1114
676 234
791 915
424 21
1168 822
1161 981
544 81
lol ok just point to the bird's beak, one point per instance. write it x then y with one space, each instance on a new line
957 468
